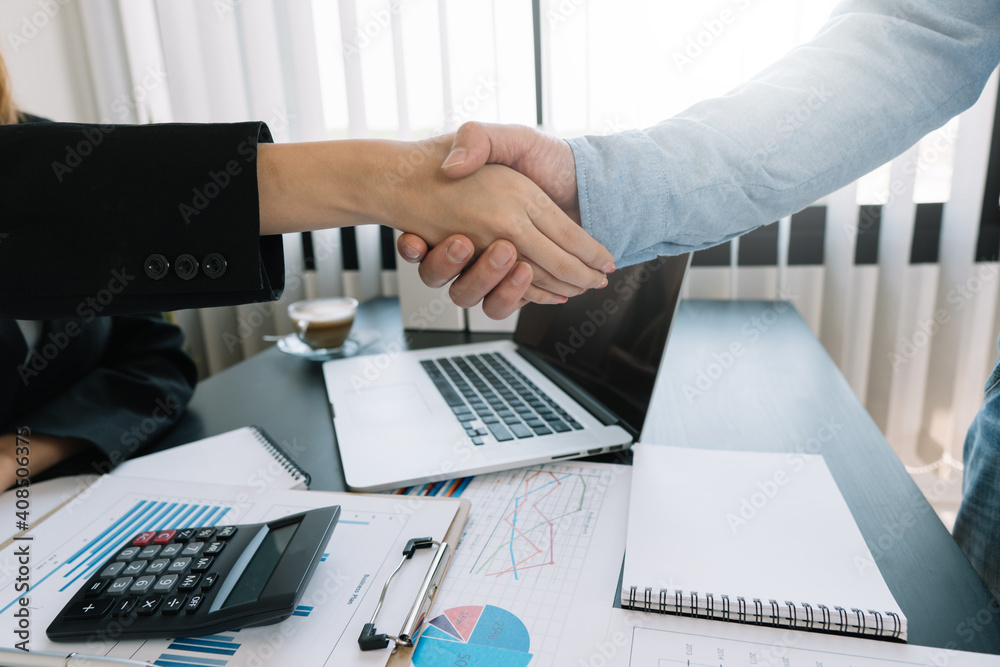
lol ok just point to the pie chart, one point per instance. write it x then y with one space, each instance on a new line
484 636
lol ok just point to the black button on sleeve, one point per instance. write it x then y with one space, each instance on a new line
157 266
214 265
186 267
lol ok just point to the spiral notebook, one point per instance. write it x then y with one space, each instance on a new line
247 456
751 537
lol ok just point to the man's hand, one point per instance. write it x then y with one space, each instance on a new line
546 160
497 279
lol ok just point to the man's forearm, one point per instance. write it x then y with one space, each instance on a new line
879 76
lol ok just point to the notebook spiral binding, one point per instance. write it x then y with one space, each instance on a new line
788 614
279 455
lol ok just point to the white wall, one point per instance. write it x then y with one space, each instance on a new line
43 47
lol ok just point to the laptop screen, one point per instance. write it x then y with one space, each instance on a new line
610 341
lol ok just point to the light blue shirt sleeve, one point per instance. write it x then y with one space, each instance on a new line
878 76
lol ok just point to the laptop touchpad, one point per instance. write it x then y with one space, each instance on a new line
387 404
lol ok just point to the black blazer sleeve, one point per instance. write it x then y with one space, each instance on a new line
109 219
119 383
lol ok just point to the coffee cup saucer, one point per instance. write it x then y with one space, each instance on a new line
356 341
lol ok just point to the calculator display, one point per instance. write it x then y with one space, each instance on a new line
261 566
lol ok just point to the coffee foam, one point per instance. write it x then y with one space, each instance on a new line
324 312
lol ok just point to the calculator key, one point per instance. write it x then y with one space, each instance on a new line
97 587
189 582
204 534
135 568
194 603
142 539
174 603
209 580
88 609
113 570
164 537
142 585
179 566
166 583
214 548
158 566
171 550
125 606
148 605
193 549
119 586
128 553
225 532
184 535
202 564
150 552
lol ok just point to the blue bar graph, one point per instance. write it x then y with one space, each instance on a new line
143 516
222 644
204 645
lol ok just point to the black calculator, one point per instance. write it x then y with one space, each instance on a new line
196 581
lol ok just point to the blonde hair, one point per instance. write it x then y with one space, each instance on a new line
8 112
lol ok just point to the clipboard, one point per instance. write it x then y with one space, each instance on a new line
401 656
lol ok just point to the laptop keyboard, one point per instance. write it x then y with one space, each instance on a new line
490 397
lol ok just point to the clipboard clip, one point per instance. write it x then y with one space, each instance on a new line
371 639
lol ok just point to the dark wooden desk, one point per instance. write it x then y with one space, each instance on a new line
779 391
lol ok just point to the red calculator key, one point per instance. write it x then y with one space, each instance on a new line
142 539
164 537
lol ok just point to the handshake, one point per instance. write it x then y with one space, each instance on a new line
513 190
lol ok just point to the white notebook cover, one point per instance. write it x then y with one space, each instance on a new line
243 457
757 525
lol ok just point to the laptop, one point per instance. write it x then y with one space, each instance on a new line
576 380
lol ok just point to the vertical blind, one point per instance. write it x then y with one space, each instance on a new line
890 272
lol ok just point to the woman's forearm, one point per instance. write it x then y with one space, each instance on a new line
318 185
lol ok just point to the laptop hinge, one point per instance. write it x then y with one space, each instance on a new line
591 404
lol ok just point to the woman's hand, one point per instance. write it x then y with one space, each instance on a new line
35 452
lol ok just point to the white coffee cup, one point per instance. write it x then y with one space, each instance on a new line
323 323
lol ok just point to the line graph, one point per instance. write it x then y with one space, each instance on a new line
534 535
526 537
